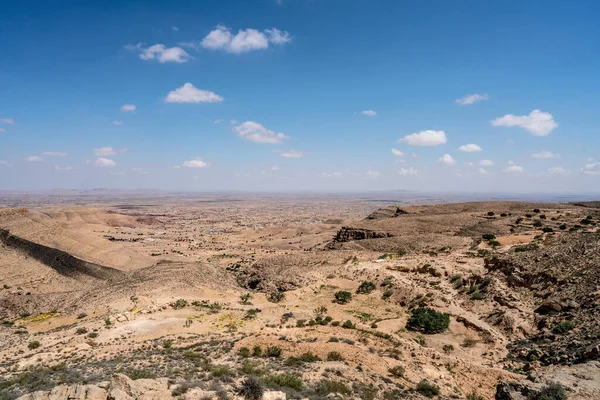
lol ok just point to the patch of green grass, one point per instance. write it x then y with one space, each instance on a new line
427 389
284 380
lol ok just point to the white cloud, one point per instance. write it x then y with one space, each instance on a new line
274 168
7 121
486 163
482 171
104 162
557 171
233 122
471 98
176 29
469 148
409 171
104 151
246 40
67 168
397 152
425 138
218 121
5 163
592 168
190 94
140 170
195 163
400 161
513 169
128 107
255 132
414 155
2 130
292 154
369 113
447 160
373 174
537 122
161 53
34 159
55 154
545 154
469 163
118 122
330 175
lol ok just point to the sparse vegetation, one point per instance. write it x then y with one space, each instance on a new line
251 389
334 356
276 297
428 321
553 391
343 297
427 389
33 345
563 327
179 304
366 287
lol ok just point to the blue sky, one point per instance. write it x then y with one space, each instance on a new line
300 94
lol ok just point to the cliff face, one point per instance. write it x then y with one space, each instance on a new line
347 234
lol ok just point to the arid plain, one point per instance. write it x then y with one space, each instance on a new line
313 297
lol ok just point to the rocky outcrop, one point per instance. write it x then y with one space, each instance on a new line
387 212
347 234
122 387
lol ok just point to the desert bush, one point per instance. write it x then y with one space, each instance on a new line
474 396
427 389
488 236
82 315
547 229
284 380
563 327
244 352
179 304
303 358
257 351
491 213
477 296
300 323
245 298
366 287
320 311
334 356
167 344
219 371
325 387
428 321
273 351
81 331
387 294
448 348
107 321
536 210
343 297
469 342
348 324
33 345
553 391
276 297
141 374
251 389
397 371
93 335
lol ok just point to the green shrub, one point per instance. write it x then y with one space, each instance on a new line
334 356
537 224
141 374
488 236
276 297
491 213
81 331
348 324
448 348
300 323
245 298
257 351
244 352
553 391
251 389
428 321
179 304
273 351
82 315
387 294
474 396
547 229
284 380
427 389
303 358
33 345
93 335
536 210
563 327
477 296
469 342
325 387
366 287
167 344
343 297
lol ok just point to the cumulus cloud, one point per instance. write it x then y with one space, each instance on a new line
255 132
55 154
195 163
409 171
557 171
592 168
118 122
447 160
221 38
104 151
161 53
397 152
34 159
469 163
7 121
513 169
538 123
5 163
104 162
128 107
330 175
373 174
471 98
292 154
67 168
469 148
545 154
425 138
482 171
369 113
190 94
486 163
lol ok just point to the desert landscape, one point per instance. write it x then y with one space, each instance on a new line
226 296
